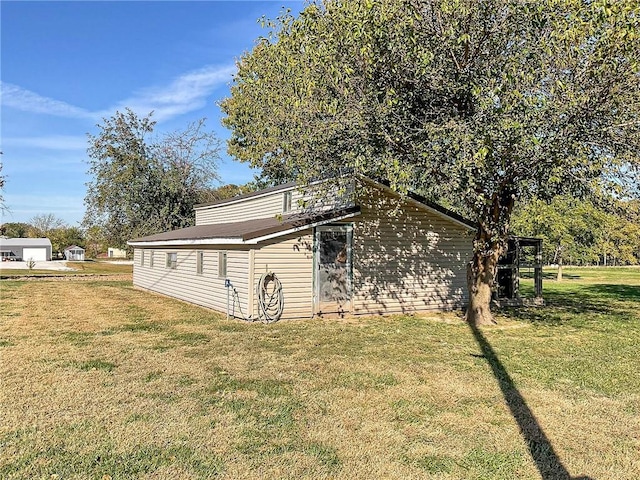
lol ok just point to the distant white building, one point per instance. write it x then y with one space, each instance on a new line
116 253
36 249
74 253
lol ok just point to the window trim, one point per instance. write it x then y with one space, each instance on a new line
199 262
287 199
151 258
171 260
223 259
142 252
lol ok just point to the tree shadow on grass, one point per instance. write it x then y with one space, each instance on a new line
546 275
625 293
574 306
540 448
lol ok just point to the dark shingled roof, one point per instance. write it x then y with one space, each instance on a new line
248 229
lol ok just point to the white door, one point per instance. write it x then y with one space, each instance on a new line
333 269
37 254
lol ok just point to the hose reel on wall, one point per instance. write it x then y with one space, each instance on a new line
270 299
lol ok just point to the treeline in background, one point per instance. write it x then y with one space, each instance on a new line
579 232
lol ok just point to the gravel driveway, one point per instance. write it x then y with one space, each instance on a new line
57 265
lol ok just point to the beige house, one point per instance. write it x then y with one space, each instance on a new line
116 253
287 253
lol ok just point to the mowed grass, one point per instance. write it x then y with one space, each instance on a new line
99 380
90 267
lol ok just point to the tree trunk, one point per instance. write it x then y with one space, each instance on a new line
490 242
559 277
481 273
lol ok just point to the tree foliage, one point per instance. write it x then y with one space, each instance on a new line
61 235
64 237
95 242
15 229
580 232
142 186
621 239
228 191
566 226
484 102
42 224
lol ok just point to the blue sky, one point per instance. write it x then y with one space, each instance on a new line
67 65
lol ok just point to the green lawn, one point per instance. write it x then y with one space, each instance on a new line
89 267
100 380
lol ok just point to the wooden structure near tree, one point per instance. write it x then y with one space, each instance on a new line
517 256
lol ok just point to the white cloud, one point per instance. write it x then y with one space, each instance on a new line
186 93
49 142
21 99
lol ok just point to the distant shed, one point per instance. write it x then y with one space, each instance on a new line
74 253
116 253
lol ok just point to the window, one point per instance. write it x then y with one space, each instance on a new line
199 262
286 202
172 260
222 264
151 255
142 258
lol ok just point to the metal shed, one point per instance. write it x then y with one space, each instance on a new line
36 249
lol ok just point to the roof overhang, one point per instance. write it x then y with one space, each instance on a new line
286 227
186 242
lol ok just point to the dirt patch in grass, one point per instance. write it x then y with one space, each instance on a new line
69 278
99 379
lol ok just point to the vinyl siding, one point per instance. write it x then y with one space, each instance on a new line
269 205
184 283
407 259
291 259
249 209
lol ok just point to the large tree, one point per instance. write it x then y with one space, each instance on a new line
42 224
143 185
486 102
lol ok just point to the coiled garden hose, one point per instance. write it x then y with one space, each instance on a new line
270 299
